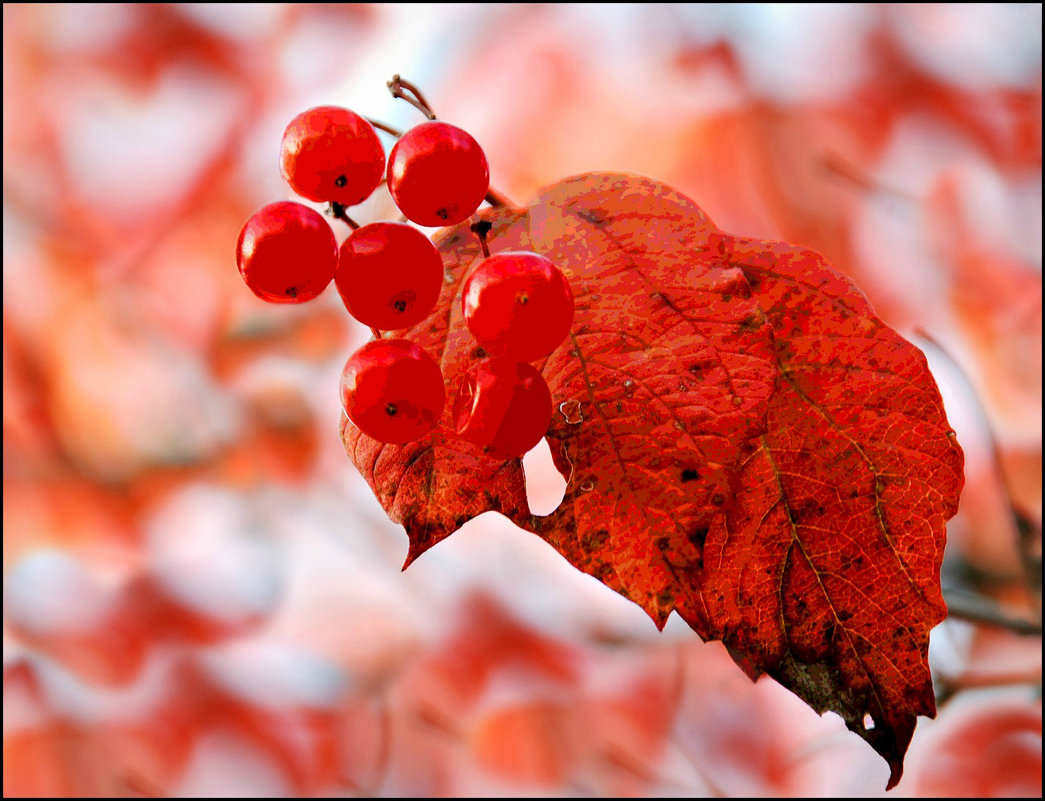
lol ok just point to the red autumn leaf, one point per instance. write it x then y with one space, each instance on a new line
743 442
824 571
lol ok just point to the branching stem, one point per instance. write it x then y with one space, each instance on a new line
398 85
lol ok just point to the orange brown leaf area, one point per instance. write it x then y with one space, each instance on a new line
744 442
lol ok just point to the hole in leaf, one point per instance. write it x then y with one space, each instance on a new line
868 722
545 486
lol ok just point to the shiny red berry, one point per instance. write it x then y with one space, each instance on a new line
332 154
503 406
518 304
389 275
286 253
392 390
437 174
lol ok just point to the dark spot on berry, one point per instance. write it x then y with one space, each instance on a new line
341 181
292 292
443 213
400 305
391 409
522 298
689 474
478 353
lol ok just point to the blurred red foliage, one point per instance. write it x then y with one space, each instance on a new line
151 401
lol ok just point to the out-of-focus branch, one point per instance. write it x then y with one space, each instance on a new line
1028 530
977 609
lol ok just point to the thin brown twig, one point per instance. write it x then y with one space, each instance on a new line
396 87
497 200
381 126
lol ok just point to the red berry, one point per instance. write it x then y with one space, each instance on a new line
332 154
392 390
286 253
389 275
504 407
437 174
518 304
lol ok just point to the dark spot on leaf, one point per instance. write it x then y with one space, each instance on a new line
698 535
594 216
751 322
595 540
844 615
604 571
703 364
689 474
805 510
663 544
829 632
718 499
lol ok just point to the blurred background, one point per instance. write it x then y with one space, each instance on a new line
201 595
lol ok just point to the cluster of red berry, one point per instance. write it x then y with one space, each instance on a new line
517 304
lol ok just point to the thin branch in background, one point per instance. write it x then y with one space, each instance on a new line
841 169
1028 530
949 686
977 609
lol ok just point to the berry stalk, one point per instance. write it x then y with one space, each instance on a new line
397 85
339 211
480 229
